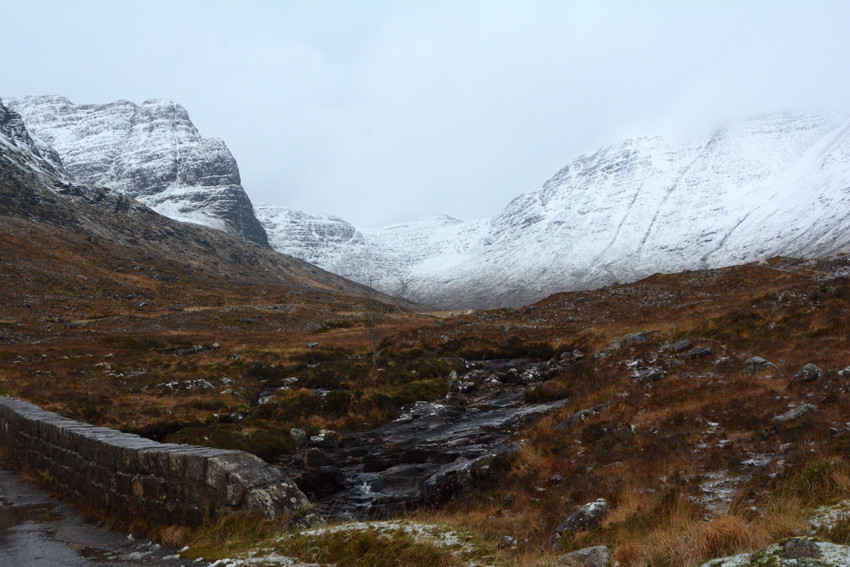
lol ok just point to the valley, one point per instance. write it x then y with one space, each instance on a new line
673 420
747 190
644 394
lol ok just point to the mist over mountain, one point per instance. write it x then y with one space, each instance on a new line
774 184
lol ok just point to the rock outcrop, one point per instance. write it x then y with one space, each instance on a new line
596 556
808 373
587 517
793 414
151 152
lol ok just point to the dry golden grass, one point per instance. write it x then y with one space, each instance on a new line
175 536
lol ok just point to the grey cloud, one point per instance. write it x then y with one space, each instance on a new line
380 111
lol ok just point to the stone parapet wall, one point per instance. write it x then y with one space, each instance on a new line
131 476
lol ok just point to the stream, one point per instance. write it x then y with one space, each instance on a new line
432 452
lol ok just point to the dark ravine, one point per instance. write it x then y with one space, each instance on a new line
132 476
432 452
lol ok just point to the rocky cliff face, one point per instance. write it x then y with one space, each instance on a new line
151 152
776 184
17 144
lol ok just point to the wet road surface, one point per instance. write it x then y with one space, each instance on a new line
38 531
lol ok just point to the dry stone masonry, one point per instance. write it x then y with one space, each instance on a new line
132 476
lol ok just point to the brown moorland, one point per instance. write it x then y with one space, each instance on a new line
688 453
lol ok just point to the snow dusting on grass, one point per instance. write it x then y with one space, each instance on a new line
441 536
343 543
776 555
827 517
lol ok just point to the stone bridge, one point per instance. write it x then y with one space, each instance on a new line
134 477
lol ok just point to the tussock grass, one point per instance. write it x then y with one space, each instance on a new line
230 536
360 544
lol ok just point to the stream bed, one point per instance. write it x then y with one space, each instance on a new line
432 452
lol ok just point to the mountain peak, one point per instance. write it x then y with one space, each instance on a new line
151 152
747 189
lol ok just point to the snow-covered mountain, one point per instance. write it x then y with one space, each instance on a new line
776 184
395 258
25 152
151 152
69 221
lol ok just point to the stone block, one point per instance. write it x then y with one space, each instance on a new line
193 515
256 476
196 462
232 493
220 466
153 488
274 500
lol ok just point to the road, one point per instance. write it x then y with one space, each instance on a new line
39 531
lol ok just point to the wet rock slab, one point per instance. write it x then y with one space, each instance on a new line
431 453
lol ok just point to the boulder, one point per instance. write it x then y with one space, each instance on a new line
634 339
325 439
798 411
465 476
321 482
757 364
808 373
650 373
680 346
299 436
275 499
699 352
585 518
596 556
796 548
581 415
315 459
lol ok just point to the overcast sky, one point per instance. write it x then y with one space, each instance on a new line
383 111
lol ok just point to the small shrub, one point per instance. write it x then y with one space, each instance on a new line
337 403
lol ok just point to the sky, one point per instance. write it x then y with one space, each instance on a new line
379 112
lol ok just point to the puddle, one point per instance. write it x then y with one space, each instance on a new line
37 531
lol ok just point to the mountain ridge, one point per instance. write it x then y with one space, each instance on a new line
47 202
151 152
628 210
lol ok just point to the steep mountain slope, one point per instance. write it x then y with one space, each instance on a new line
110 232
151 152
776 184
